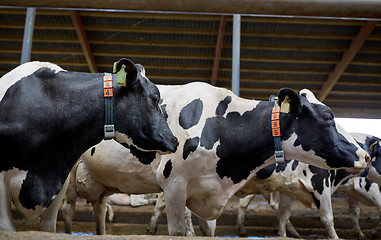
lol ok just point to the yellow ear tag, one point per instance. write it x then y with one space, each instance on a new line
285 105
121 76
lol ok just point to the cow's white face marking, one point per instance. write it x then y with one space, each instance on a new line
311 97
22 71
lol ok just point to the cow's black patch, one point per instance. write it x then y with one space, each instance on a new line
339 175
143 157
245 141
305 173
223 106
190 114
317 201
92 151
190 145
368 184
319 178
281 167
266 172
360 182
167 169
294 165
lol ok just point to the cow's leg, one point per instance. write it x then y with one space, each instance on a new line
208 228
189 231
243 204
354 210
284 213
6 222
274 203
48 218
70 199
175 200
326 214
159 207
99 210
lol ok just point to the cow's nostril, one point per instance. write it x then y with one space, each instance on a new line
367 159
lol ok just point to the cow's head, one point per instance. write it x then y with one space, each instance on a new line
138 117
371 144
314 137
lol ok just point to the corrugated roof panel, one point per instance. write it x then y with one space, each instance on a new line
145 22
150 36
301 42
360 79
62 19
372 44
299 28
375 57
55 33
287 66
355 68
12 18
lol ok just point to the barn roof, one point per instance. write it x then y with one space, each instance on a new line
180 48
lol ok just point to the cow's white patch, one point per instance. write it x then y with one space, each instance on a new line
14 179
123 138
310 157
360 137
311 97
361 153
22 71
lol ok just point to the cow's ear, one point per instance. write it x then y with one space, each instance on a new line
290 100
374 147
126 71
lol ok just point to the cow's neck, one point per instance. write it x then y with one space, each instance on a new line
244 140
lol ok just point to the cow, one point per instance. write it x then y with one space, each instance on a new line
314 186
49 117
225 140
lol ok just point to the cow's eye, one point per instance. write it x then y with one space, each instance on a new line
328 117
155 99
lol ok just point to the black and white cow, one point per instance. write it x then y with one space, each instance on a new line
311 185
314 186
49 117
225 140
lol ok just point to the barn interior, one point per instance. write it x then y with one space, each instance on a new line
334 53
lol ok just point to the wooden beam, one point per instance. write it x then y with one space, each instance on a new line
346 59
317 8
77 21
219 44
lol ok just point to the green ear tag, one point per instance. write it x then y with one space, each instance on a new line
121 76
114 68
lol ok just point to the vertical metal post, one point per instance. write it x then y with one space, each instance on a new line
236 53
28 35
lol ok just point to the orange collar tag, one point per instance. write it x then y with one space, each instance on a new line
107 86
275 126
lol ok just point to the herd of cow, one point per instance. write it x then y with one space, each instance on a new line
201 145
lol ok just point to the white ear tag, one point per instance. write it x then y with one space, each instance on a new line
285 105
